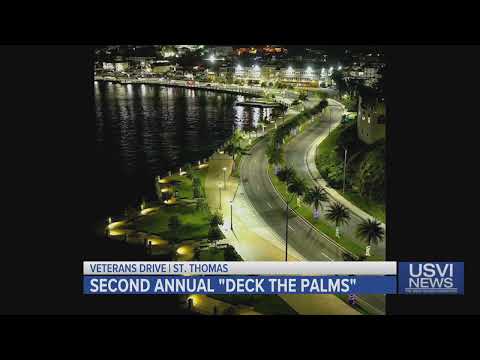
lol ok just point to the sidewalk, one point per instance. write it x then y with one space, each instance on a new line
312 168
255 241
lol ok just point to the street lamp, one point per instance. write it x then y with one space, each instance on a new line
220 196
344 169
231 215
224 178
286 236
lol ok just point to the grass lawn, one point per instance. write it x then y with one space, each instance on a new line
265 304
307 213
195 224
357 307
373 208
212 254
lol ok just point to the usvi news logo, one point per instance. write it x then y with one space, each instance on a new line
431 278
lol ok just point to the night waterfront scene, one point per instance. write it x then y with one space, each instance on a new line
244 153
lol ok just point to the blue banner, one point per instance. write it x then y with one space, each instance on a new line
431 278
361 284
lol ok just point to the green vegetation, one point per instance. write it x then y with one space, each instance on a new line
316 196
288 184
174 225
306 211
226 253
212 254
187 219
370 231
365 174
339 215
264 304
214 232
194 224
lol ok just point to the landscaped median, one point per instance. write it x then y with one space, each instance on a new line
306 212
283 135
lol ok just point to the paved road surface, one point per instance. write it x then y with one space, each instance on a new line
311 244
254 240
295 155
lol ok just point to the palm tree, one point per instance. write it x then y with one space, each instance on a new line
233 149
216 219
316 196
297 186
338 214
214 233
236 137
276 156
287 174
370 231
323 104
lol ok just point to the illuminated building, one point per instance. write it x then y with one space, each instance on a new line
371 120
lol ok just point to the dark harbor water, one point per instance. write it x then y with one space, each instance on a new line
146 130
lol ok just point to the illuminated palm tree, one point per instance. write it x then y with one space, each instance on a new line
233 149
338 214
316 196
297 186
276 156
370 231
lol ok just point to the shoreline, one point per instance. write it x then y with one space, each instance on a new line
230 89
255 93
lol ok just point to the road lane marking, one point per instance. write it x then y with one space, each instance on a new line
271 207
328 257
291 228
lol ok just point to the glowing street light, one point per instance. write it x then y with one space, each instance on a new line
224 177
220 196
211 58
231 215
339 68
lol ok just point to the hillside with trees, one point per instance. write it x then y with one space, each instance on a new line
365 171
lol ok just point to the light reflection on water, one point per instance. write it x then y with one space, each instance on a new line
146 130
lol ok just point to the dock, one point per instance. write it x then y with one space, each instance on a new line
261 104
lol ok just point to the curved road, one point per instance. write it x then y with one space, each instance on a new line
311 244
295 155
